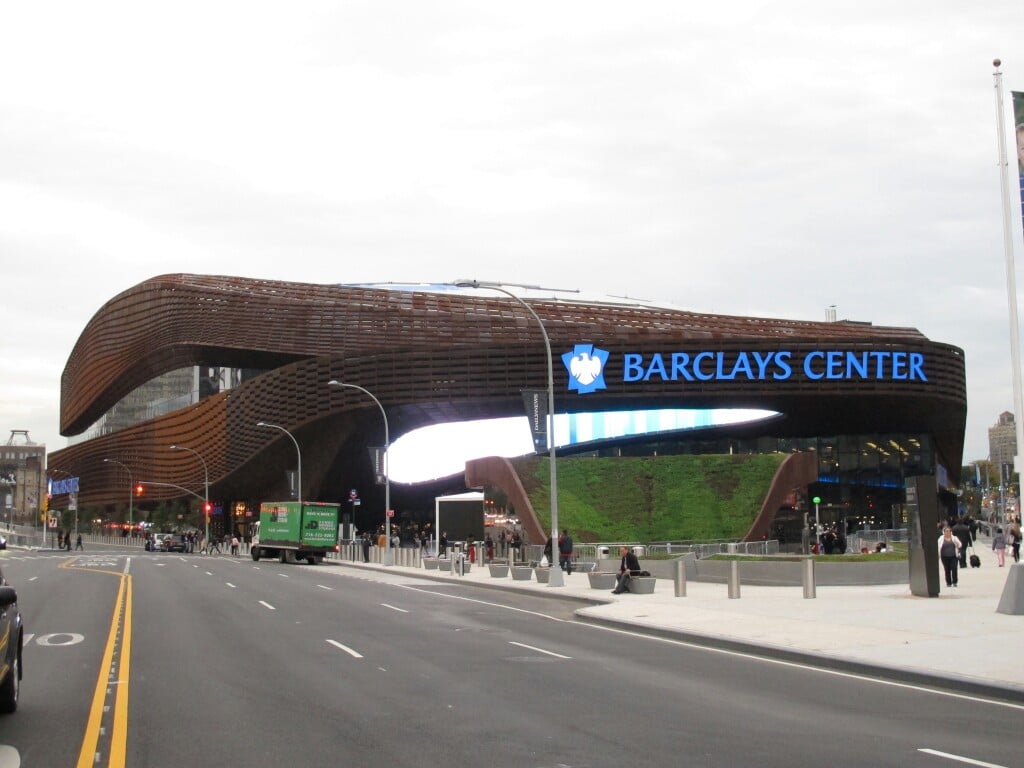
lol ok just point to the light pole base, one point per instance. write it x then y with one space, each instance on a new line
389 557
556 577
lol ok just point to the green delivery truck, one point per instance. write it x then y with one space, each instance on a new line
292 530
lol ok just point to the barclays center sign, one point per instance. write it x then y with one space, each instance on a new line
586 365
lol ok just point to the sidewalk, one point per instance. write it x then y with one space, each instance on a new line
956 640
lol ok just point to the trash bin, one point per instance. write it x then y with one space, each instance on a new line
603 551
733 547
639 550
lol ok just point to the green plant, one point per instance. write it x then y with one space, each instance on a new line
656 498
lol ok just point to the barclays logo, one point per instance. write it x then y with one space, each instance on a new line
585 365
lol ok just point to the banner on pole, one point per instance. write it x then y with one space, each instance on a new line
536 406
1018 132
377 459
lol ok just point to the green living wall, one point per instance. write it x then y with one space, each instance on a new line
654 498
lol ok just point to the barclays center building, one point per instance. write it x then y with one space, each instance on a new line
199 362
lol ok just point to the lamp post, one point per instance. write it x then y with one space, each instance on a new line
297 451
555 577
387 479
131 490
206 484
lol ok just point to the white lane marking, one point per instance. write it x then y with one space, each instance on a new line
9 757
209 573
283 575
230 585
539 650
27 638
393 608
33 578
267 605
735 654
59 639
960 758
345 648
329 589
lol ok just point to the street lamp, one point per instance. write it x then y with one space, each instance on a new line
555 577
206 484
387 479
131 490
297 451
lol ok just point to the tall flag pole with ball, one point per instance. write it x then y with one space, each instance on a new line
1011 280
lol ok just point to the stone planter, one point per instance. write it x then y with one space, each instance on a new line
430 563
498 571
601 580
642 585
444 565
543 574
522 573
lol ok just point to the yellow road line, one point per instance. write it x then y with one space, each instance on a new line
119 738
90 741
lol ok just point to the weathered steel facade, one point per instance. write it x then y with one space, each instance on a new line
432 357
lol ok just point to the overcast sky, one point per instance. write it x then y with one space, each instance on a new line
750 158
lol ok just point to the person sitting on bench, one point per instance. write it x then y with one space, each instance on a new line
629 566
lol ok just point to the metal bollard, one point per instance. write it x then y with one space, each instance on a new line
734 580
808 578
680 578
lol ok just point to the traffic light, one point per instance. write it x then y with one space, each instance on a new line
139 489
207 508
46 503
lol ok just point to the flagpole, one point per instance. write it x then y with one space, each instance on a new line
1011 280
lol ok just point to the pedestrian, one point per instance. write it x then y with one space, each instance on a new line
78 543
502 542
442 545
515 545
234 545
999 546
962 531
565 551
628 567
547 553
1015 537
366 547
949 551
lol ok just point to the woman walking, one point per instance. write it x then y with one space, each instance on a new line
949 552
999 546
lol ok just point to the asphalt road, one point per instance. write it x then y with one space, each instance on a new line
159 659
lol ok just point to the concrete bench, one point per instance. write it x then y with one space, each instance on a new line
601 579
498 570
641 585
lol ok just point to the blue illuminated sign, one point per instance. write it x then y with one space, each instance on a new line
67 485
586 368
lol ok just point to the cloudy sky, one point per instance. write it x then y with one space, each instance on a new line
749 158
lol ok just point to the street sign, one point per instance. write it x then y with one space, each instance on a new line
52 522
391 513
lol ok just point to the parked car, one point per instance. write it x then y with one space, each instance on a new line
11 637
174 543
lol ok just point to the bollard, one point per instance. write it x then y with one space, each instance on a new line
680 578
734 579
808 574
462 565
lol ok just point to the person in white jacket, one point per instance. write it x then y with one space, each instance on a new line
949 553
